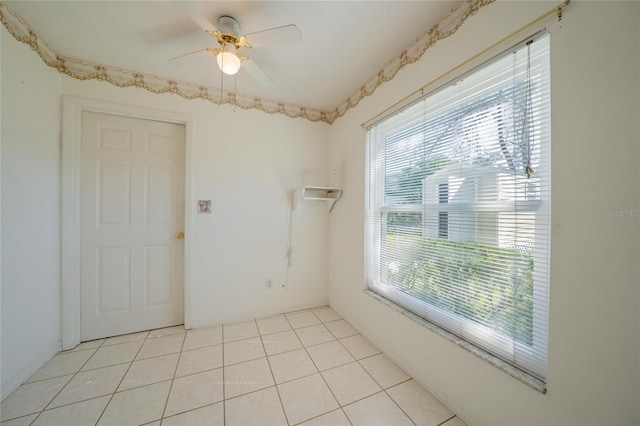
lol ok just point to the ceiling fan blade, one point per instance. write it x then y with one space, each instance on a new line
187 54
196 16
278 35
256 72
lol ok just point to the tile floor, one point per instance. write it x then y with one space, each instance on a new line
308 367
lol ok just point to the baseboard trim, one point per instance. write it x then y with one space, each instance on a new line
27 371
230 319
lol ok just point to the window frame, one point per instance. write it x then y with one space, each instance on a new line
376 229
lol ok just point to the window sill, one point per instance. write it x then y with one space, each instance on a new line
514 372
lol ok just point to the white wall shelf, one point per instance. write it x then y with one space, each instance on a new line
317 193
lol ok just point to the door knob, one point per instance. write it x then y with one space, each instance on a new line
180 235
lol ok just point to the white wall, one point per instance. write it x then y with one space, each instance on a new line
30 212
594 331
246 162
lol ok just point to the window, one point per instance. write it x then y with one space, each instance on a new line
458 212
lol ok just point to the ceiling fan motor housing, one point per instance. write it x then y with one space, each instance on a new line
229 25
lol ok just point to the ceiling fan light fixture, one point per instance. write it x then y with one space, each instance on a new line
228 62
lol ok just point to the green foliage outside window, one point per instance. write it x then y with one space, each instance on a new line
496 299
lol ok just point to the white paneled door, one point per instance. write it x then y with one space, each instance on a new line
131 225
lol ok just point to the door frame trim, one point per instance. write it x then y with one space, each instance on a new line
72 108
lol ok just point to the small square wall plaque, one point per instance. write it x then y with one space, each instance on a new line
204 206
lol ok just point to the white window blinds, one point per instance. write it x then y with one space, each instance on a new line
458 206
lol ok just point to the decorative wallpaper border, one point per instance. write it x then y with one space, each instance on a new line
446 26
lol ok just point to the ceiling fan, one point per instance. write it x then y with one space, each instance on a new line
230 40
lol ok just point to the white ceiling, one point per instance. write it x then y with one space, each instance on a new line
343 42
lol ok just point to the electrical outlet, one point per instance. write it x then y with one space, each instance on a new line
269 283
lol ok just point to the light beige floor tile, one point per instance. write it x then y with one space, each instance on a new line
20 421
78 414
200 338
291 365
240 331
126 338
422 407
306 398
255 409
136 406
281 342
376 410
302 319
148 371
195 396
211 415
247 377
199 360
350 383
91 384
62 364
31 397
92 344
195 391
112 355
167 331
161 346
334 418
314 335
243 350
326 314
455 421
384 371
273 325
341 329
329 355
359 347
